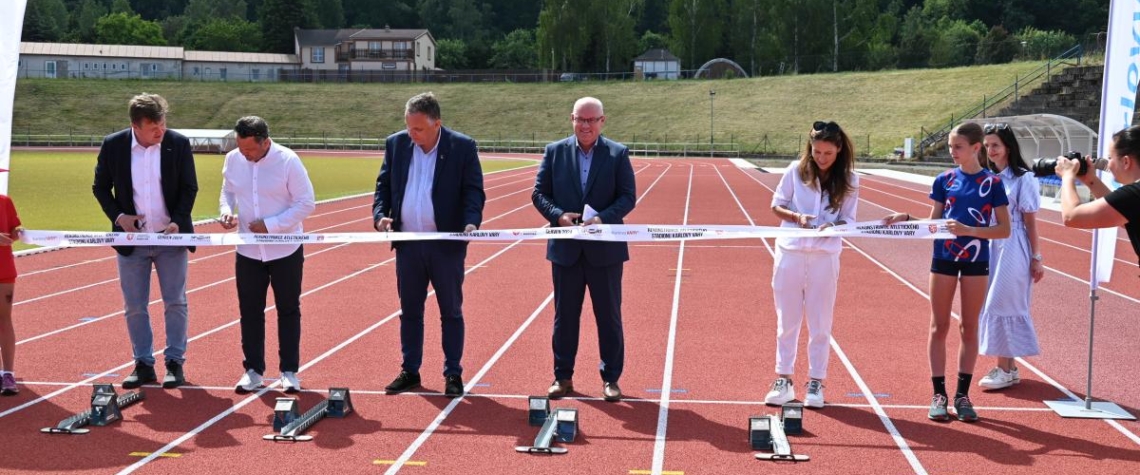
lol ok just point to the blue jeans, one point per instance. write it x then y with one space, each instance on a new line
134 276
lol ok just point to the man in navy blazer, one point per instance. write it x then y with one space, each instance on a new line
586 170
431 181
145 182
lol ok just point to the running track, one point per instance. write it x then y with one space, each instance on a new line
700 332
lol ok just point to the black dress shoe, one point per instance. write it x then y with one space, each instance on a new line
173 377
453 385
611 392
143 374
404 382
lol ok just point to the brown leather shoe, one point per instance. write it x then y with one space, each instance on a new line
611 392
560 388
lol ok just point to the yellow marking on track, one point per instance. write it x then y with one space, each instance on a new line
147 454
414 463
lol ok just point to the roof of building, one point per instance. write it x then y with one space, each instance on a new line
332 37
103 51
231 57
657 54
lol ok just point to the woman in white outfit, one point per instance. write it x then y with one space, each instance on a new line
818 191
1005 327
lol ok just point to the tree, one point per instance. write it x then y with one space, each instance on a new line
279 17
451 54
378 13
651 40
122 6
124 29
157 10
515 51
915 38
561 34
226 34
616 20
200 12
174 29
956 43
84 18
696 26
44 20
330 13
996 47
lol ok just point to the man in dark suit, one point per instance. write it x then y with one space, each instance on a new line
586 170
145 182
431 181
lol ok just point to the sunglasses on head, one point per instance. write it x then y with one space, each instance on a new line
826 127
994 128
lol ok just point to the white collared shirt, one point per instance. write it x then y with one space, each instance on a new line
417 214
275 189
146 185
794 194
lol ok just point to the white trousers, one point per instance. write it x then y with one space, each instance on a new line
803 284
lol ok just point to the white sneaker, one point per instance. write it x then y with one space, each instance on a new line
781 392
997 378
249 382
290 383
1016 375
814 396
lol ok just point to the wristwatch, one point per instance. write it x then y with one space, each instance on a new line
1038 257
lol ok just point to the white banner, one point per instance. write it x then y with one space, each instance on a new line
1117 105
11 27
925 229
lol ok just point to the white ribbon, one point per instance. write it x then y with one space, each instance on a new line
925 229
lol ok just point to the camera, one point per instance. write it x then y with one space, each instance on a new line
1048 166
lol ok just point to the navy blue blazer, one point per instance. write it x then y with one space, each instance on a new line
457 191
114 189
610 190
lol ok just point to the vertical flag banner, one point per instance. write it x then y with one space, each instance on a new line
11 27
1117 105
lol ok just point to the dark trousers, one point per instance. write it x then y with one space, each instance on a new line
419 263
570 284
253 280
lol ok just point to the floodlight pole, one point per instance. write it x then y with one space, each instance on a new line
712 139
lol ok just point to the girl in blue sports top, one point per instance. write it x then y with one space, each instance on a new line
973 199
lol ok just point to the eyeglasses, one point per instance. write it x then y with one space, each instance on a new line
589 120
825 127
994 128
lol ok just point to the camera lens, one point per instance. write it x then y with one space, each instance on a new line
1048 166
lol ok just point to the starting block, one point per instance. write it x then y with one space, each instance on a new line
771 428
560 424
106 408
290 426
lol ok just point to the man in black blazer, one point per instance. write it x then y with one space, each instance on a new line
430 181
145 182
586 170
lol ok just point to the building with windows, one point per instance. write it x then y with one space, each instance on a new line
365 50
78 61
657 64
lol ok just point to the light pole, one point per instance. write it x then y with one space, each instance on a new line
712 140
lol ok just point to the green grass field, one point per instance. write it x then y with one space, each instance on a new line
879 109
52 190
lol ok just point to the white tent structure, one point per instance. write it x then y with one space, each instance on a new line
210 140
1047 135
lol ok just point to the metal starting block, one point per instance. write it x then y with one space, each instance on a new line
778 440
293 426
106 408
561 424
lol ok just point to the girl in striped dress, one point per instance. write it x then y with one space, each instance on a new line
1005 327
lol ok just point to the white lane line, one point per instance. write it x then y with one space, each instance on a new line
670 349
872 400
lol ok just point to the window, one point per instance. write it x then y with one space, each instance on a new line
222 73
374 46
255 74
429 54
319 55
417 49
49 69
196 70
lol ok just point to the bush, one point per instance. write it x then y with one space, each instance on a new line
1037 44
997 47
956 45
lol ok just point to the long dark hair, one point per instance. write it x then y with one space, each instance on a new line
1015 161
837 182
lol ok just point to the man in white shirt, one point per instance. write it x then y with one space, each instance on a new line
269 188
145 182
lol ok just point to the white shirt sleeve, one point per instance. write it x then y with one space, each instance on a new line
303 200
786 188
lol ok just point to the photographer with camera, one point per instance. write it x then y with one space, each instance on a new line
1120 207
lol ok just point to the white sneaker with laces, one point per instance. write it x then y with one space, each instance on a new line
814 396
249 382
782 392
997 378
290 383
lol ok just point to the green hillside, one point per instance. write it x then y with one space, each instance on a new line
877 108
